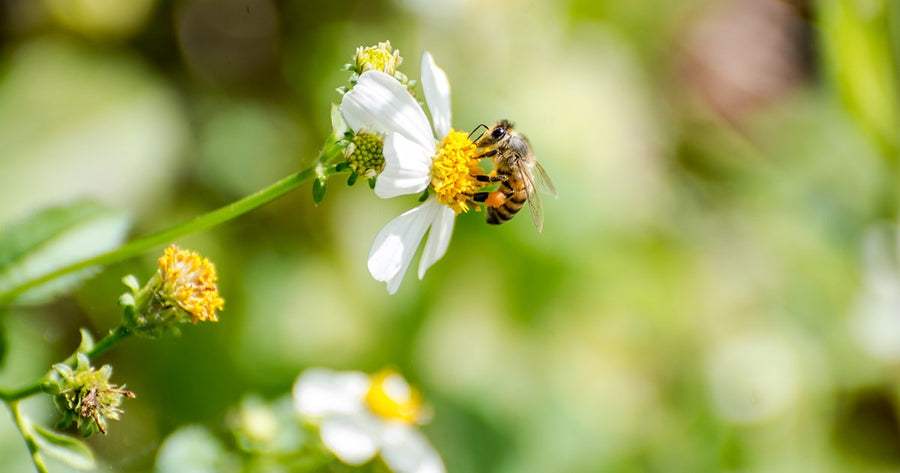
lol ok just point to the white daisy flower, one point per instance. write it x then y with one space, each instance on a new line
415 158
361 416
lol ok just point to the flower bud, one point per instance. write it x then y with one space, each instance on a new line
183 290
365 154
84 396
381 57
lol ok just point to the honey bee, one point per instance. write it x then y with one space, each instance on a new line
517 170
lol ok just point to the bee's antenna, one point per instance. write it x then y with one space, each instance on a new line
481 125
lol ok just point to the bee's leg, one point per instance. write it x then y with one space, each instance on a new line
491 177
491 199
486 154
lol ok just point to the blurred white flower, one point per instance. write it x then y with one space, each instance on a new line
875 318
753 377
414 159
360 416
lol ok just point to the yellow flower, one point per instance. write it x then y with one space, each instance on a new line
190 282
391 397
381 57
453 171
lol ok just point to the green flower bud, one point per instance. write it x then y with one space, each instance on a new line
365 154
84 396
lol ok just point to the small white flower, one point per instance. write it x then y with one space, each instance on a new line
361 416
414 159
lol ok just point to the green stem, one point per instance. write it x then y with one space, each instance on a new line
12 395
108 341
114 337
21 423
211 219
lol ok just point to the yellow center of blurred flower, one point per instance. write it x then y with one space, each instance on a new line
390 397
453 171
381 57
190 281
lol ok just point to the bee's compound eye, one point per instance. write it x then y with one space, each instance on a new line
498 132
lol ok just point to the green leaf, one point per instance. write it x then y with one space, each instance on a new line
857 51
52 239
318 190
64 448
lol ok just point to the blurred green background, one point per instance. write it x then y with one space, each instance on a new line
716 287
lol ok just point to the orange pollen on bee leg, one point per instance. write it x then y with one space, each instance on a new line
495 199
453 171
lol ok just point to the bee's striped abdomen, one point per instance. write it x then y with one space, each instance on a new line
514 190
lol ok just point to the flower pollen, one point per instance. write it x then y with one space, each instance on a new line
453 171
190 281
391 397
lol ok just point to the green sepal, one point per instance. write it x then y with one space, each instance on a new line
372 182
341 166
87 341
424 196
131 281
352 178
339 125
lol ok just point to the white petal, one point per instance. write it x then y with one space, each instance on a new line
396 243
349 438
406 450
438 237
437 95
381 103
319 392
407 167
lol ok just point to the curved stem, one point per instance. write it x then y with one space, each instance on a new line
21 423
114 337
12 395
108 341
222 214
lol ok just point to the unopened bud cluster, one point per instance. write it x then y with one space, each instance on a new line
183 290
381 57
84 395
365 154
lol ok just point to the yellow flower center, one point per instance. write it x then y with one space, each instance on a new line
190 281
453 171
381 57
390 397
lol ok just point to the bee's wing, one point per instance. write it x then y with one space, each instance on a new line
537 181
535 205
542 180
